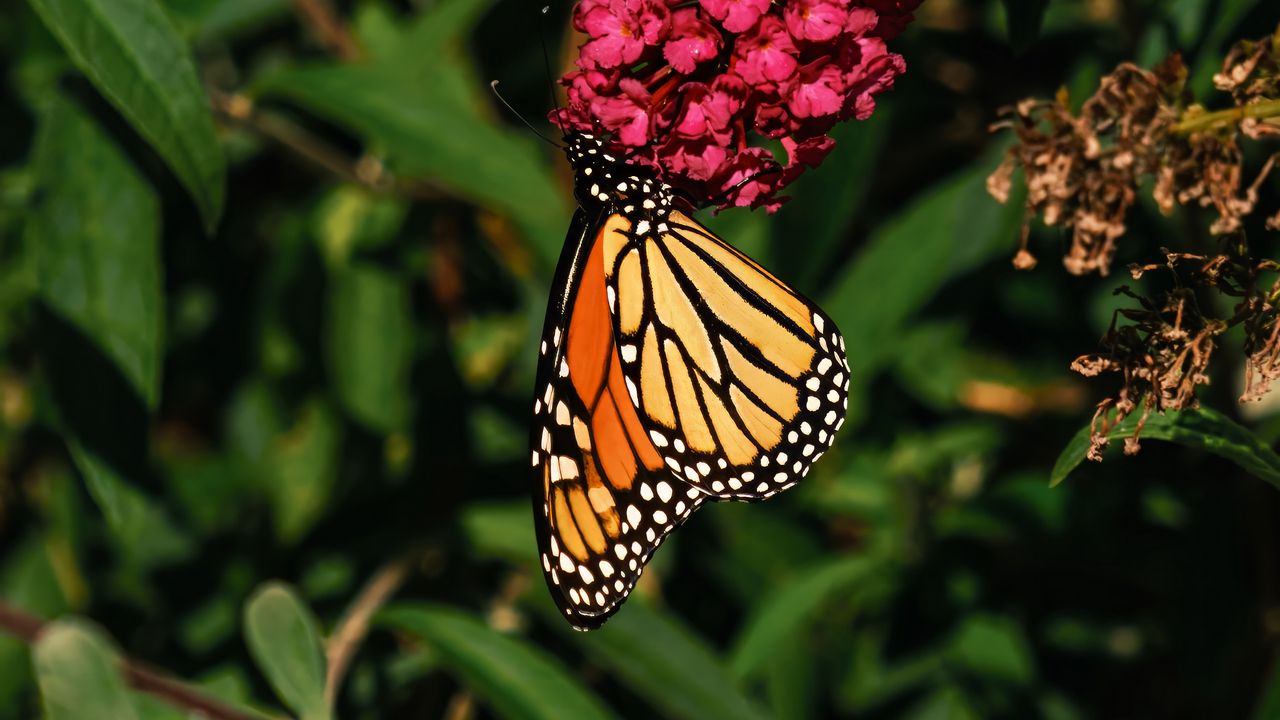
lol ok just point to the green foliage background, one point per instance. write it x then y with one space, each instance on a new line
246 361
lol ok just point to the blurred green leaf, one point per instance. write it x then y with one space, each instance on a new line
793 680
369 345
142 528
1202 428
425 116
503 530
827 198
1023 19
993 648
762 548
96 236
787 611
497 437
285 642
1215 37
351 218
78 674
934 361
947 232
947 703
28 581
484 345
301 470
135 57
1187 18
149 707
1267 706
872 682
209 20
667 664
515 678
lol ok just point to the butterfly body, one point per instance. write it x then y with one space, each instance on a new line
672 370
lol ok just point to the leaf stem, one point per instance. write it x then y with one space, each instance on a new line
329 28
354 624
239 110
27 628
1194 121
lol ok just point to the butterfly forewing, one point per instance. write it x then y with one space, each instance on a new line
739 381
603 499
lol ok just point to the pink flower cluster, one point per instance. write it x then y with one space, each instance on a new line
684 86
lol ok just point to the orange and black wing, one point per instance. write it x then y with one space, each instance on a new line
739 382
603 500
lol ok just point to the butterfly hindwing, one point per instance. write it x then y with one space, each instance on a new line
603 500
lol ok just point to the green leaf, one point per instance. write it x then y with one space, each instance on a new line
284 641
78 675
517 679
1202 428
28 581
1023 18
141 527
1226 17
946 703
786 612
351 218
503 530
429 131
992 648
95 233
369 333
131 52
946 233
666 664
301 470
1267 706
827 198
208 20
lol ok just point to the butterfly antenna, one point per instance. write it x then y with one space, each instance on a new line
493 85
546 62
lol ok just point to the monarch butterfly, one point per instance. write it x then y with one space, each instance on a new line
673 370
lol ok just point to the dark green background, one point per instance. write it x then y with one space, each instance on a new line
337 377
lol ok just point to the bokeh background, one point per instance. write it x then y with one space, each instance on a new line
332 388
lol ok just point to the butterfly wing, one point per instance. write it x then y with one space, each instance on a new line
738 380
603 501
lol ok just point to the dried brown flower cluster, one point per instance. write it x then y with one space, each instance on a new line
1083 173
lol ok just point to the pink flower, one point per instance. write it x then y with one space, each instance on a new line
693 40
737 15
754 173
626 114
621 30
708 110
696 160
816 90
772 119
861 21
692 90
874 74
817 20
894 15
804 154
766 53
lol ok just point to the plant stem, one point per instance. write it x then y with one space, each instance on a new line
239 110
329 28
1204 121
27 628
354 625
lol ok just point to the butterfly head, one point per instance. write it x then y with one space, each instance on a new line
604 180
